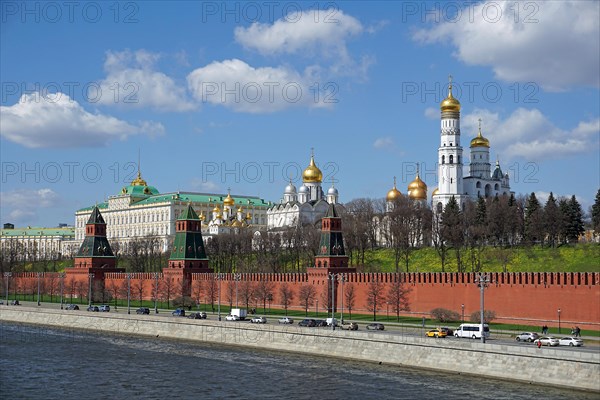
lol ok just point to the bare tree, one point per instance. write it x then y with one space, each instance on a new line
286 294
197 290
114 289
230 293
51 284
137 287
397 296
349 297
264 291
246 292
167 289
375 297
212 291
307 294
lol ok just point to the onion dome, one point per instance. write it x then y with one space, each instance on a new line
228 200
290 189
450 104
240 209
202 216
237 224
394 193
303 189
479 140
312 173
435 192
248 216
417 189
217 209
332 191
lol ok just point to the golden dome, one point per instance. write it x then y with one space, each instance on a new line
417 189
248 216
479 140
139 181
228 200
240 209
394 193
312 173
236 223
435 192
450 103
202 216
217 209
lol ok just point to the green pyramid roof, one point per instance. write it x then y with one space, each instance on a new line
96 217
188 214
332 212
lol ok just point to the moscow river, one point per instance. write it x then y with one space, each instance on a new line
46 363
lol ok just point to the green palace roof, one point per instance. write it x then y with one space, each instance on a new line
66 232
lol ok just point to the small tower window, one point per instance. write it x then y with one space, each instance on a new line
458 159
443 159
451 159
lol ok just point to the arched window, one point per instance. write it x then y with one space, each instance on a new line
458 159
451 159
443 159
478 184
439 207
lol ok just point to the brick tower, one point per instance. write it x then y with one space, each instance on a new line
188 255
95 255
331 257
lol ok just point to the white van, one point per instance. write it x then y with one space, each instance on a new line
331 321
473 331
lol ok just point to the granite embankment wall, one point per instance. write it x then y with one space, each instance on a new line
574 369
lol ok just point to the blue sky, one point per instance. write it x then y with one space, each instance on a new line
234 95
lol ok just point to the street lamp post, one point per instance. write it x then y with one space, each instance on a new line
156 293
6 276
62 285
388 309
219 303
317 309
236 277
91 276
39 274
342 278
462 306
482 281
558 320
332 277
128 293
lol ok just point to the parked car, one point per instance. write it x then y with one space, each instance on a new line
527 336
547 341
375 327
570 341
232 318
104 308
352 326
307 322
93 308
436 333
197 315
286 320
449 331
180 312
320 322
72 307
15 303
259 320
143 310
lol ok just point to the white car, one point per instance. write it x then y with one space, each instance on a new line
547 341
232 318
286 320
258 320
570 341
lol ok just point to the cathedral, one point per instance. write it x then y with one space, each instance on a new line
481 180
306 205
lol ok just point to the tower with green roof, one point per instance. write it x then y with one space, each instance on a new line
188 255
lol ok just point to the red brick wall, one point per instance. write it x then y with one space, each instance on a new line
528 298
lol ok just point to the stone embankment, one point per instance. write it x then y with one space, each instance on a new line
546 366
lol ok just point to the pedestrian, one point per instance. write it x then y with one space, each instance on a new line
577 332
539 344
545 329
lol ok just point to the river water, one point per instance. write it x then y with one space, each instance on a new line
46 363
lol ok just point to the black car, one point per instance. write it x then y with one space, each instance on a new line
197 315
143 310
72 307
449 331
93 308
320 322
375 326
307 322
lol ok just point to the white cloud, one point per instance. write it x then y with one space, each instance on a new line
204 186
384 143
552 43
132 81
56 120
310 33
529 134
321 31
432 113
23 203
241 87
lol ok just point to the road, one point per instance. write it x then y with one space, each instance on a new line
591 344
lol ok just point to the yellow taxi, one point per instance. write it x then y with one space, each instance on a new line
435 333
